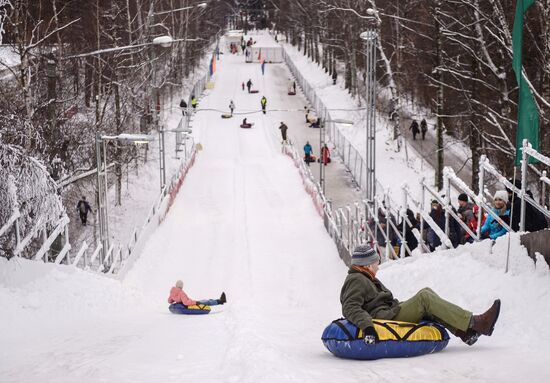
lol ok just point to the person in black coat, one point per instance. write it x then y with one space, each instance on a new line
83 208
414 128
423 128
283 129
183 106
412 242
534 219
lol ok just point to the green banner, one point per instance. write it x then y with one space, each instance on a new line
528 116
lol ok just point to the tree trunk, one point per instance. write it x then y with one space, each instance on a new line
118 152
474 134
439 98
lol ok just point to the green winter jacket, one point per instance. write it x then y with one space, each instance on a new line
364 298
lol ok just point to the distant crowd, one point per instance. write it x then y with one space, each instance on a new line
506 206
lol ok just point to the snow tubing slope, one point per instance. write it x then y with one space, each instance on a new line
198 309
396 339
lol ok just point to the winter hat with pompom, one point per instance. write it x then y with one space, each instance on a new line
502 195
179 284
364 255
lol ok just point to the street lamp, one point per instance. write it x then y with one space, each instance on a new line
201 5
102 200
322 144
163 42
370 36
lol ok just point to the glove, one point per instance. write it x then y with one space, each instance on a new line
370 335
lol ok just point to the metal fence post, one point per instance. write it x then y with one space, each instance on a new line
543 189
422 208
523 185
447 201
44 239
402 252
481 196
17 233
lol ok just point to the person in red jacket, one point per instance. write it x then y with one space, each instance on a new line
177 295
472 224
325 155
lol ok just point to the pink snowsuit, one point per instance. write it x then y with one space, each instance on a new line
178 296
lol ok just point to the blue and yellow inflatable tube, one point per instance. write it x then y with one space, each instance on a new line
396 339
198 309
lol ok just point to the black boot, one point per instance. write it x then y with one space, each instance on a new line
484 324
222 299
469 337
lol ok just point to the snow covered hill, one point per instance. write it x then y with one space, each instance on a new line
243 224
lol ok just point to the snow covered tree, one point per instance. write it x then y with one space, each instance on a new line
26 186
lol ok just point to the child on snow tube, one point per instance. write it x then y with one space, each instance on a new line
180 303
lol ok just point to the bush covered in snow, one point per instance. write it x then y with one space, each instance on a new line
25 185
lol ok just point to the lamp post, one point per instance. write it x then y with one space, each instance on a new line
102 200
200 5
370 36
163 42
322 144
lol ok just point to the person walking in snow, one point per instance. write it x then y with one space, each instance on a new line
364 298
423 128
414 128
231 106
194 102
177 295
249 85
283 129
183 106
263 67
307 152
263 102
492 228
294 86
83 208
325 155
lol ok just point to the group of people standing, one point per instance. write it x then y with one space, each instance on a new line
506 206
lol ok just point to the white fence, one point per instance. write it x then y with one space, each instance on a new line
360 222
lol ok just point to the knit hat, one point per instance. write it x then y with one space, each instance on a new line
179 284
364 255
501 194
463 197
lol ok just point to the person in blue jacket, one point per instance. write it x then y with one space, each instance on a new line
307 151
492 228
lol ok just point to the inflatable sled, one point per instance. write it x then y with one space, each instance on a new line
291 93
396 339
198 309
328 160
226 116
312 158
253 91
247 126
